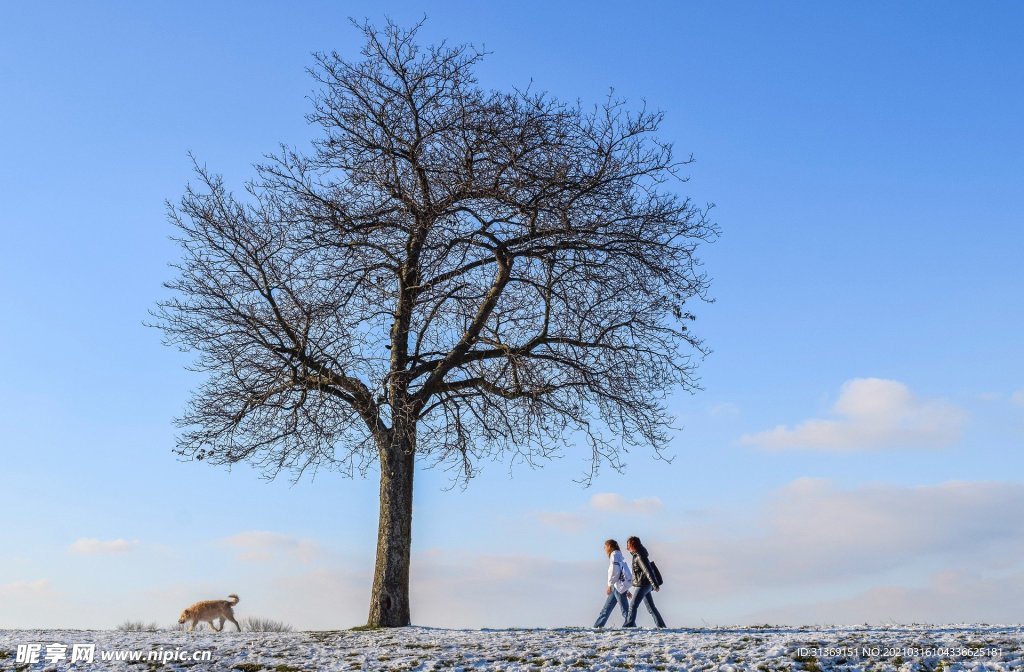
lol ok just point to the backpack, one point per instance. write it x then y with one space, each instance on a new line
658 581
625 574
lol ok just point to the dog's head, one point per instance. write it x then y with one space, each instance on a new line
185 615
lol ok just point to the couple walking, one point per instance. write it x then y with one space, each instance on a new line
629 586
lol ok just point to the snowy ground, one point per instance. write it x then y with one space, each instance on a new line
966 647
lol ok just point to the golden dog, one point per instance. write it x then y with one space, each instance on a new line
210 610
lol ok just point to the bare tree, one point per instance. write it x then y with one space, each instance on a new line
450 274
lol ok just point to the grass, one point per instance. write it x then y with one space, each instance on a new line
808 663
137 626
325 636
257 624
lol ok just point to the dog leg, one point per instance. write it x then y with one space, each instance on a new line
232 619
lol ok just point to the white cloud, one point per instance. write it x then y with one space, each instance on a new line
450 589
596 510
610 501
813 532
1018 398
813 551
565 521
261 546
478 590
813 545
323 598
24 589
948 597
100 547
872 413
31 604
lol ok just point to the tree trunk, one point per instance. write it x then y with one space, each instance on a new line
389 601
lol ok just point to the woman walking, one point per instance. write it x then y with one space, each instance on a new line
643 584
619 579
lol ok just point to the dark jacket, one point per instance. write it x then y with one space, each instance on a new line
642 572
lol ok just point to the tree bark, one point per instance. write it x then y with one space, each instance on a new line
389 601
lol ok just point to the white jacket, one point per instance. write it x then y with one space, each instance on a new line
620 576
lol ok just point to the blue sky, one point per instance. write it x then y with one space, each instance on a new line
855 454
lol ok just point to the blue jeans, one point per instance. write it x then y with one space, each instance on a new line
609 604
643 593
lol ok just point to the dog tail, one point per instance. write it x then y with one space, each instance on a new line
233 600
